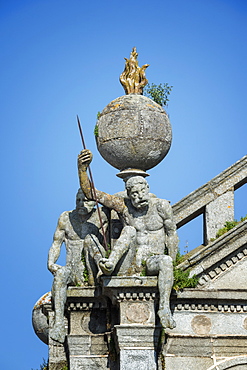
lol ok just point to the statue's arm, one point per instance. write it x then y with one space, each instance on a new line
107 200
58 239
165 210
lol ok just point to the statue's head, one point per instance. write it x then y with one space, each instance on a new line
83 205
138 191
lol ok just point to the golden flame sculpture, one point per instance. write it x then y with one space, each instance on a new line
133 77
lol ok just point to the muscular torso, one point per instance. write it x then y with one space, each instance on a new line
76 230
149 226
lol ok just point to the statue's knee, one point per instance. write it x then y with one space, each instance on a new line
165 260
61 275
88 241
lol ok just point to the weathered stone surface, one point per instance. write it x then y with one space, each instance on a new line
137 345
201 324
133 132
188 363
86 363
57 351
138 359
239 363
136 297
217 213
39 319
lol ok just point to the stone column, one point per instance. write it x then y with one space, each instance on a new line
57 351
87 338
217 213
137 335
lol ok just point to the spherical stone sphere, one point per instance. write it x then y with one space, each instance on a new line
133 132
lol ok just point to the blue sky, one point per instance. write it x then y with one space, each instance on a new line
63 58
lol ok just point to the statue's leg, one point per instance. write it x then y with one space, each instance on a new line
126 239
78 278
163 266
93 252
59 290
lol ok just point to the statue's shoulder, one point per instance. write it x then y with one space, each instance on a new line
64 217
163 205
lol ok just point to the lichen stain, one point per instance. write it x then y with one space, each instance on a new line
150 105
115 106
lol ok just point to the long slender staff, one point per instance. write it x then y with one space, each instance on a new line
93 187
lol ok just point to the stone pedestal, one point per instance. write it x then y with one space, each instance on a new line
112 326
87 338
58 353
136 335
137 346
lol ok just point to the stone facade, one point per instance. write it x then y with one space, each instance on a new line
115 325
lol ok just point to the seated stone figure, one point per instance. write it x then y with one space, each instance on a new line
72 228
148 230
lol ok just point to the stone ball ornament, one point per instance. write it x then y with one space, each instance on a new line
133 132
39 319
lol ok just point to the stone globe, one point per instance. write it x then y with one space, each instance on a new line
133 132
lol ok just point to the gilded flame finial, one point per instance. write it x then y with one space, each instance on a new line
133 77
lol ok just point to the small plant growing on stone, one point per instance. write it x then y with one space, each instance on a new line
181 278
96 130
158 93
144 266
229 225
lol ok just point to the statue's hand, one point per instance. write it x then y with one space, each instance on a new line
84 159
106 266
53 268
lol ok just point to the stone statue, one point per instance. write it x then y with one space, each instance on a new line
72 228
148 229
133 77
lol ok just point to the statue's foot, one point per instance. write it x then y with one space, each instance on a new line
58 333
166 318
106 266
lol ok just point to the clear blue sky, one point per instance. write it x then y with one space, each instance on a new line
62 58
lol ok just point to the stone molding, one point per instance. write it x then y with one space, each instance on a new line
212 260
133 296
199 300
222 267
230 363
207 307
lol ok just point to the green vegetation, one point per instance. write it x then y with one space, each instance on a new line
143 271
229 225
181 278
96 130
158 93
